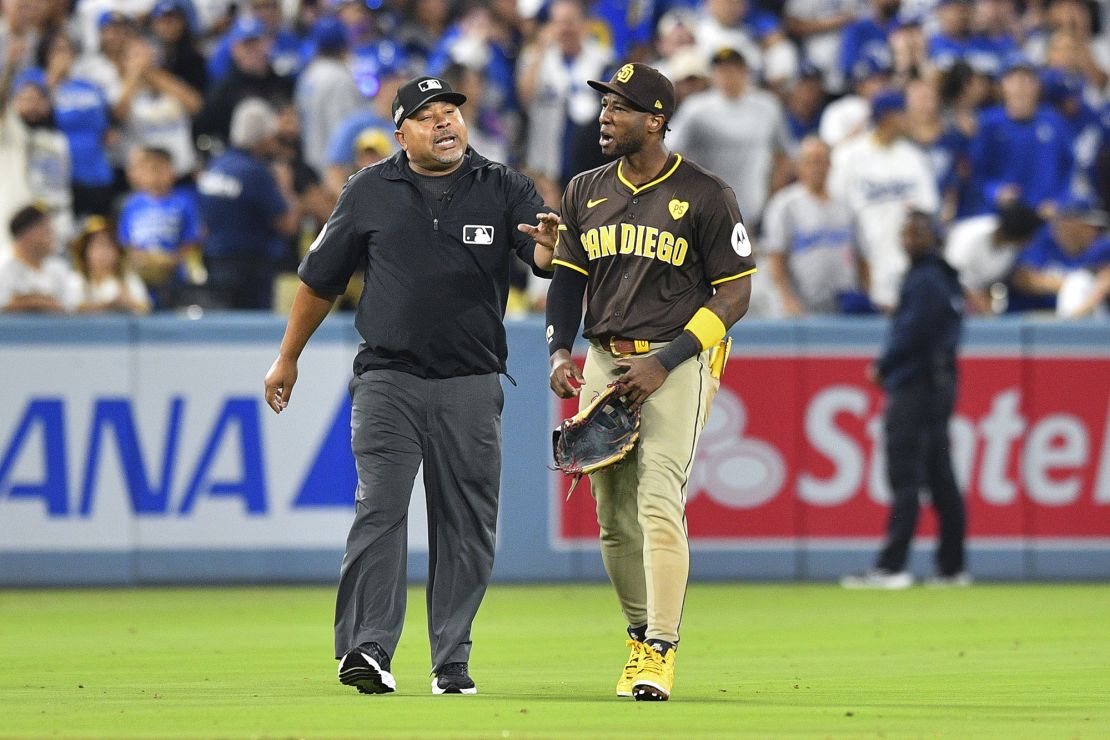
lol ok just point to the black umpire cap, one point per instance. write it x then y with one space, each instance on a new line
645 87
415 94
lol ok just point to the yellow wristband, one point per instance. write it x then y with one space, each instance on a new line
707 327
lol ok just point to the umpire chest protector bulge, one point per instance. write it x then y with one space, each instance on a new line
436 273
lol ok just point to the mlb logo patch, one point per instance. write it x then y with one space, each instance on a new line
477 234
427 85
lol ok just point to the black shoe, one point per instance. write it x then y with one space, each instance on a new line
454 678
367 669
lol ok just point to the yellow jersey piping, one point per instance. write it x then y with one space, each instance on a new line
576 268
734 277
637 190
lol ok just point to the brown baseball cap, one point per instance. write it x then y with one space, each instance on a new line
645 87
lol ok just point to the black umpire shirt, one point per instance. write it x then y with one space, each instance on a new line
436 273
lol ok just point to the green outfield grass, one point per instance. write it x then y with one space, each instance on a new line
756 661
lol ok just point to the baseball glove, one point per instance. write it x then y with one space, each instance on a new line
599 435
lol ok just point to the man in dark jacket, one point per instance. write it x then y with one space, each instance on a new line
918 372
251 77
433 229
249 212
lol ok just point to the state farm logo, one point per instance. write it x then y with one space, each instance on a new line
733 470
997 455
795 448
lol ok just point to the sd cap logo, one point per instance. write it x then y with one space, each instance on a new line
624 74
678 208
427 85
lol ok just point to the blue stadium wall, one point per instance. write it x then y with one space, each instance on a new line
140 451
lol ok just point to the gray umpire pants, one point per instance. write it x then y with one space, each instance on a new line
453 425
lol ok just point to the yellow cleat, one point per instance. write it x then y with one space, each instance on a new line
656 676
631 668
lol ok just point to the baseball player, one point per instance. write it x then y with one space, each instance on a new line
659 247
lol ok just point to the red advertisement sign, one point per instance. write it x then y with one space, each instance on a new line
794 450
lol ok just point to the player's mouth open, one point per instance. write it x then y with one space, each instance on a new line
606 139
446 142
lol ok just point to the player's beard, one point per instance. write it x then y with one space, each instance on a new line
631 143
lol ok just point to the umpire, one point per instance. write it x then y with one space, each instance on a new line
918 372
434 229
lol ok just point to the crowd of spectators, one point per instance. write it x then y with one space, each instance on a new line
156 154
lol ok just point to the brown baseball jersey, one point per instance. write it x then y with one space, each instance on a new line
652 253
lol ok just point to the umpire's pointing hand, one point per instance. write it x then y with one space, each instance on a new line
546 232
279 383
566 378
641 377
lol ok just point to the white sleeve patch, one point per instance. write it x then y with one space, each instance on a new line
320 237
740 242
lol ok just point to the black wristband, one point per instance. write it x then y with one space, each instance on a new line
564 308
678 351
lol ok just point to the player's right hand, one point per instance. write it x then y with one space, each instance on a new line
566 379
545 232
279 383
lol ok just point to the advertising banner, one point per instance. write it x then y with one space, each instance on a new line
168 445
794 450
141 451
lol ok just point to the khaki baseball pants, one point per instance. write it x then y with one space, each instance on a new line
641 502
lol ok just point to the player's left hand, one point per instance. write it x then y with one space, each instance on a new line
641 377
545 232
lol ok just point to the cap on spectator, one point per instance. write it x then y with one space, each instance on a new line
888 101
89 226
729 55
246 29
678 17
643 86
165 7
374 138
871 65
1019 63
26 218
1058 86
330 34
1017 221
415 94
687 62
29 76
1083 210
376 63
113 17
